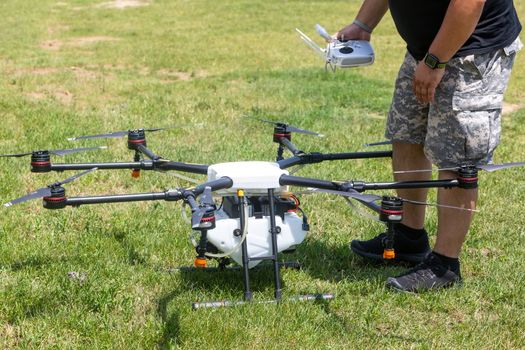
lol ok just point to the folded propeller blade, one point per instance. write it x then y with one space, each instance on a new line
61 152
207 197
206 203
100 136
368 198
380 143
295 129
486 167
46 191
16 154
123 133
41 192
288 127
494 167
58 152
438 205
69 179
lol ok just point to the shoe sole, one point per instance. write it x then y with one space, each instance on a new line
409 258
394 285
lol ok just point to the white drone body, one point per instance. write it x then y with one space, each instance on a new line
353 53
254 178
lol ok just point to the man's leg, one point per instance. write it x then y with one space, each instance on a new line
410 239
463 128
453 224
408 156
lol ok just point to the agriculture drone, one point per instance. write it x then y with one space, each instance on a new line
258 217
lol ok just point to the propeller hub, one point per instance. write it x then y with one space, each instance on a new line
391 209
135 138
40 162
57 199
468 177
279 131
207 221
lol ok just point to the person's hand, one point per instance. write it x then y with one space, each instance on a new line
426 81
352 32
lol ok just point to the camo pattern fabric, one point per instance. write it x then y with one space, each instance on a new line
462 125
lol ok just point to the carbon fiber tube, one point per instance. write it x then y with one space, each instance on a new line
307 182
407 184
144 165
289 145
146 151
118 198
357 155
186 167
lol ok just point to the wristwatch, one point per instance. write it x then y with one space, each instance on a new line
433 62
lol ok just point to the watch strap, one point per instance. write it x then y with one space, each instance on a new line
433 61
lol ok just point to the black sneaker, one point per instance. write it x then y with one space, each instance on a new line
430 274
407 250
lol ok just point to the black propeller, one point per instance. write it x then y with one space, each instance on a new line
380 143
288 127
368 198
436 205
123 133
486 167
58 152
46 191
206 205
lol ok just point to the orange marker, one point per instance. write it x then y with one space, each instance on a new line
389 254
200 263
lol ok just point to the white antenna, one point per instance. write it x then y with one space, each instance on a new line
321 52
322 32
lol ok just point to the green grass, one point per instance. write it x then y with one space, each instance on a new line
72 67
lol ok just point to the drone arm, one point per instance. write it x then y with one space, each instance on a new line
290 162
363 186
290 146
308 182
186 167
356 155
147 152
360 186
219 184
144 165
168 195
315 157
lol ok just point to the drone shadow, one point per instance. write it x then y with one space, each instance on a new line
170 321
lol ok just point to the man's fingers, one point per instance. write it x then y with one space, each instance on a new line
424 93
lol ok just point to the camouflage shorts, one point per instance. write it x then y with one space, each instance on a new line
462 125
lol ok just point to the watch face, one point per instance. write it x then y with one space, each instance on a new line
431 61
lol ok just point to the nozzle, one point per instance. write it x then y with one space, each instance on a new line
135 173
389 254
200 263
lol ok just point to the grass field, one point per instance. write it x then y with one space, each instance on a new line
76 67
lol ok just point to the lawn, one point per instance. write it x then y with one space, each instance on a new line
105 276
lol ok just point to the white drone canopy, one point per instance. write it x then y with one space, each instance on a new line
254 177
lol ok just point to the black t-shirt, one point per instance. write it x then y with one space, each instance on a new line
418 22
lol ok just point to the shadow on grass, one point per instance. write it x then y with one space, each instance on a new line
171 321
134 257
33 262
336 263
